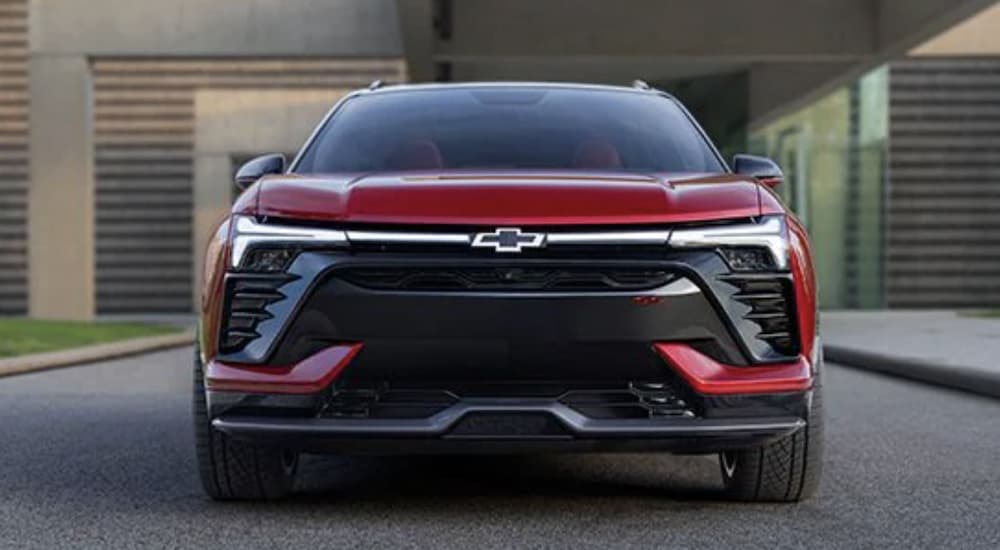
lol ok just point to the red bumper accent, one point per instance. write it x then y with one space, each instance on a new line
708 377
311 375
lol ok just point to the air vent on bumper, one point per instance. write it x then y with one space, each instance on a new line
248 296
770 307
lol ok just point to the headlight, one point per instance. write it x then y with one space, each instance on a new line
273 244
742 245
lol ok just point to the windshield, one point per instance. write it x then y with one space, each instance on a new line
509 128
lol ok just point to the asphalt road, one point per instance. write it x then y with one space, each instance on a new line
101 456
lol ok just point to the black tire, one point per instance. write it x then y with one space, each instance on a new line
234 470
787 470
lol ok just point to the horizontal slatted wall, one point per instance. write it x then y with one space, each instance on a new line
13 156
944 232
144 126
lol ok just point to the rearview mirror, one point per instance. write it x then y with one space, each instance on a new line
259 167
762 169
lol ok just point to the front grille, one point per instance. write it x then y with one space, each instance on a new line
524 279
561 252
248 296
770 303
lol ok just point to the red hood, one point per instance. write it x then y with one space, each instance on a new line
509 199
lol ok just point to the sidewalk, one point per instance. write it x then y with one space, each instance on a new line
939 347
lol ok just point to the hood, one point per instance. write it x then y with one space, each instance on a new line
518 199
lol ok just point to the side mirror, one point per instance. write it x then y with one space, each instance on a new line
762 169
259 167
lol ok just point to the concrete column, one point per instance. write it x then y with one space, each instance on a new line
61 199
416 21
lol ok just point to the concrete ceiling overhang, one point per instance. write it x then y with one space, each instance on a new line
792 50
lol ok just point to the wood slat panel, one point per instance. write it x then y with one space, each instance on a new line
944 231
13 157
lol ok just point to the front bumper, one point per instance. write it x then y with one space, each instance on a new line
305 408
494 371
507 425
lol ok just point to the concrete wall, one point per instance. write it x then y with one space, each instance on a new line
977 36
243 28
706 30
143 122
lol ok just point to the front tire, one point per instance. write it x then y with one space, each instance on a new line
787 470
235 470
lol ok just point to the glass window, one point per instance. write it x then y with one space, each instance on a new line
834 154
499 127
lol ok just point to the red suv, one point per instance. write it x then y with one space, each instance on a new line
509 268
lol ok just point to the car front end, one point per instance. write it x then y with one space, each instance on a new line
601 339
506 311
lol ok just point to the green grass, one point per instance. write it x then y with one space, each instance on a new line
24 336
987 314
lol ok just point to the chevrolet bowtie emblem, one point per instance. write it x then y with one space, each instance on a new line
508 239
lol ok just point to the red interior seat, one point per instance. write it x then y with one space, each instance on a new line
418 155
597 154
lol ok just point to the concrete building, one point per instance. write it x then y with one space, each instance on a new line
897 175
140 109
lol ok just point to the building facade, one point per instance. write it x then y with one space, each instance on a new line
139 110
897 176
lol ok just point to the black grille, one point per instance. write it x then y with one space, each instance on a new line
596 400
525 279
771 309
385 401
247 299
636 400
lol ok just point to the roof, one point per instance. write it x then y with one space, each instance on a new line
505 84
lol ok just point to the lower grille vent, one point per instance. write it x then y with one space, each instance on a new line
636 400
524 279
384 401
771 309
248 296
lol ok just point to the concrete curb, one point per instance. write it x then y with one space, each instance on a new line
90 354
968 379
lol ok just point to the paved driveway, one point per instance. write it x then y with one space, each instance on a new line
101 456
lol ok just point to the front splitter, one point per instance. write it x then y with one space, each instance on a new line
440 433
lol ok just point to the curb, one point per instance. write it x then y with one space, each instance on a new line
89 354
968 379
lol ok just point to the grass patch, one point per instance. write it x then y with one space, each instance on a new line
25 336
984 314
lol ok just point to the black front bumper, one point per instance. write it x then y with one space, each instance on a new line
530 341
507 425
